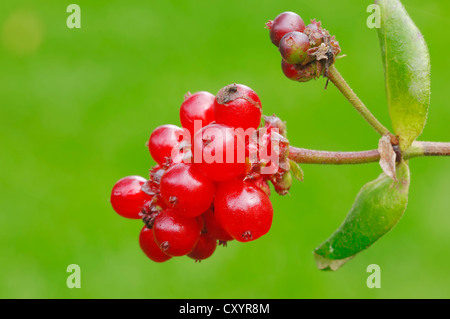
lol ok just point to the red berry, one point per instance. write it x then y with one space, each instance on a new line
285 22
219 152
205 247
300 73
163 140
243 210
198 106
238 106
294 47
127 198
185 188
175 234
214 228
150 247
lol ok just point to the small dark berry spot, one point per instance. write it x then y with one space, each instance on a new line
164 246
247 235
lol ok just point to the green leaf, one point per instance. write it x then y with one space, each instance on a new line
377 209
296 170
407 71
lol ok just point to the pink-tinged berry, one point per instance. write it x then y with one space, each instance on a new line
301 73
219 153
285 22
150 247
185 188
175 234
238 106
243 210
294 47
163 140
198 106
127 198
205 247
214 228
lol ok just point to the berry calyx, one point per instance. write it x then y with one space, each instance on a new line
163 140
216 152
127 198
185 188
175 234
243 210
150 247
198 106
205 247
238 106
294 47
285 22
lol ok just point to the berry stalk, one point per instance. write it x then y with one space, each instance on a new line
418 149
337 79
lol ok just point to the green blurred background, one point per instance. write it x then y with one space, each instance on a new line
78 105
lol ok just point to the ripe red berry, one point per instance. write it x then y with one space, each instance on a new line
175 234
150 247
238 106
213 227
205 247
294 47
198 106
219 152
127 198
163 140
185 188
243 210
285 22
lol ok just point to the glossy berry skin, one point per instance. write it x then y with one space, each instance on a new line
294 47
285 22
127 198
175 234
185 188
198 106
243 210
216 152
213 227
150 247
238 106
205 247
299 73
162 140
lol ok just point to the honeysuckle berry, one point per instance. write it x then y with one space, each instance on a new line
175 234
238 106
205 247
127 198
185 188
198 106
285 22
243 210
162 141
150 247
301 73
294 47
216 152
213 227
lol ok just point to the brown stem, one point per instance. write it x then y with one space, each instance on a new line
417 149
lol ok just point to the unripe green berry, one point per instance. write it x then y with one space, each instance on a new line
294 47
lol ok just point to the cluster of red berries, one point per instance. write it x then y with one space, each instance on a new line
191 203
307 51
